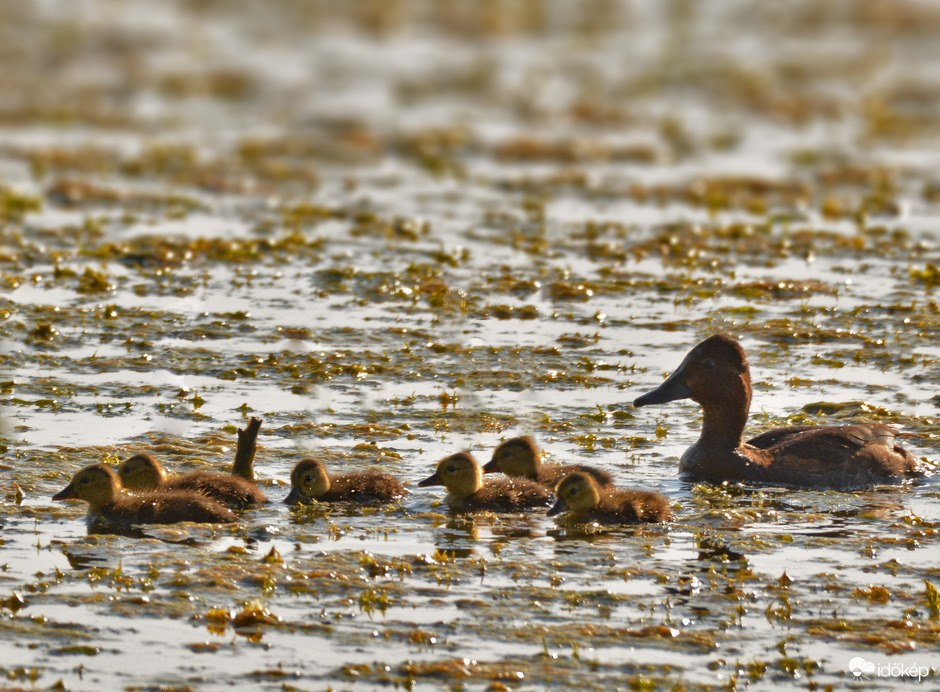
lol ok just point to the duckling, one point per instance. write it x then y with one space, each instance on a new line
143 472
309 481
586 501
462 476
520 457
715 374
100 487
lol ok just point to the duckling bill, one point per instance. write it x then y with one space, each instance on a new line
100 487
462 476
715 374
310 482
520 457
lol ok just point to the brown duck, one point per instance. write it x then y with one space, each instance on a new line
100 487
585 501
309 481
519 457
462 476
715 375
143 472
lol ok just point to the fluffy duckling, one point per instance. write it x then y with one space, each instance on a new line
586 501
520 457
100 487
143 472
462 476
309 481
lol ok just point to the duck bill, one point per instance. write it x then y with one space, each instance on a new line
67 493
672 389
431 480
492 466
557 508
294 497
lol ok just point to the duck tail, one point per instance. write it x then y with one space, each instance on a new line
245 453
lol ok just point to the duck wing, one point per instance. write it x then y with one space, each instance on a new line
772 437
838 456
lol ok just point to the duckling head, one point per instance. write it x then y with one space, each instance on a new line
141 472
459 473
308 481
577 492
97 485
516 457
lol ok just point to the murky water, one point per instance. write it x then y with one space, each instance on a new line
393 230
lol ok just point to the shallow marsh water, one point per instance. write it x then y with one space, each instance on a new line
393 230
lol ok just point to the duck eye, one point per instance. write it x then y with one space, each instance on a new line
708 364
308 478
451 468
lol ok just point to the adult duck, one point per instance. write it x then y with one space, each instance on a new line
142 472
462 476
585 501
309 481
100 487
519 457
715 375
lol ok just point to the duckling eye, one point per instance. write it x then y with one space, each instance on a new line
451 468
308 478
708 364
84 479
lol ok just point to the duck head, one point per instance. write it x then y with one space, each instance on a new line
97 485
459 473
715 375
308 481
141 472
516 457
576 492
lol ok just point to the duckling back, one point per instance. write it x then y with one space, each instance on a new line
505 495
230 491
551 474
625 506
364 487
167 507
